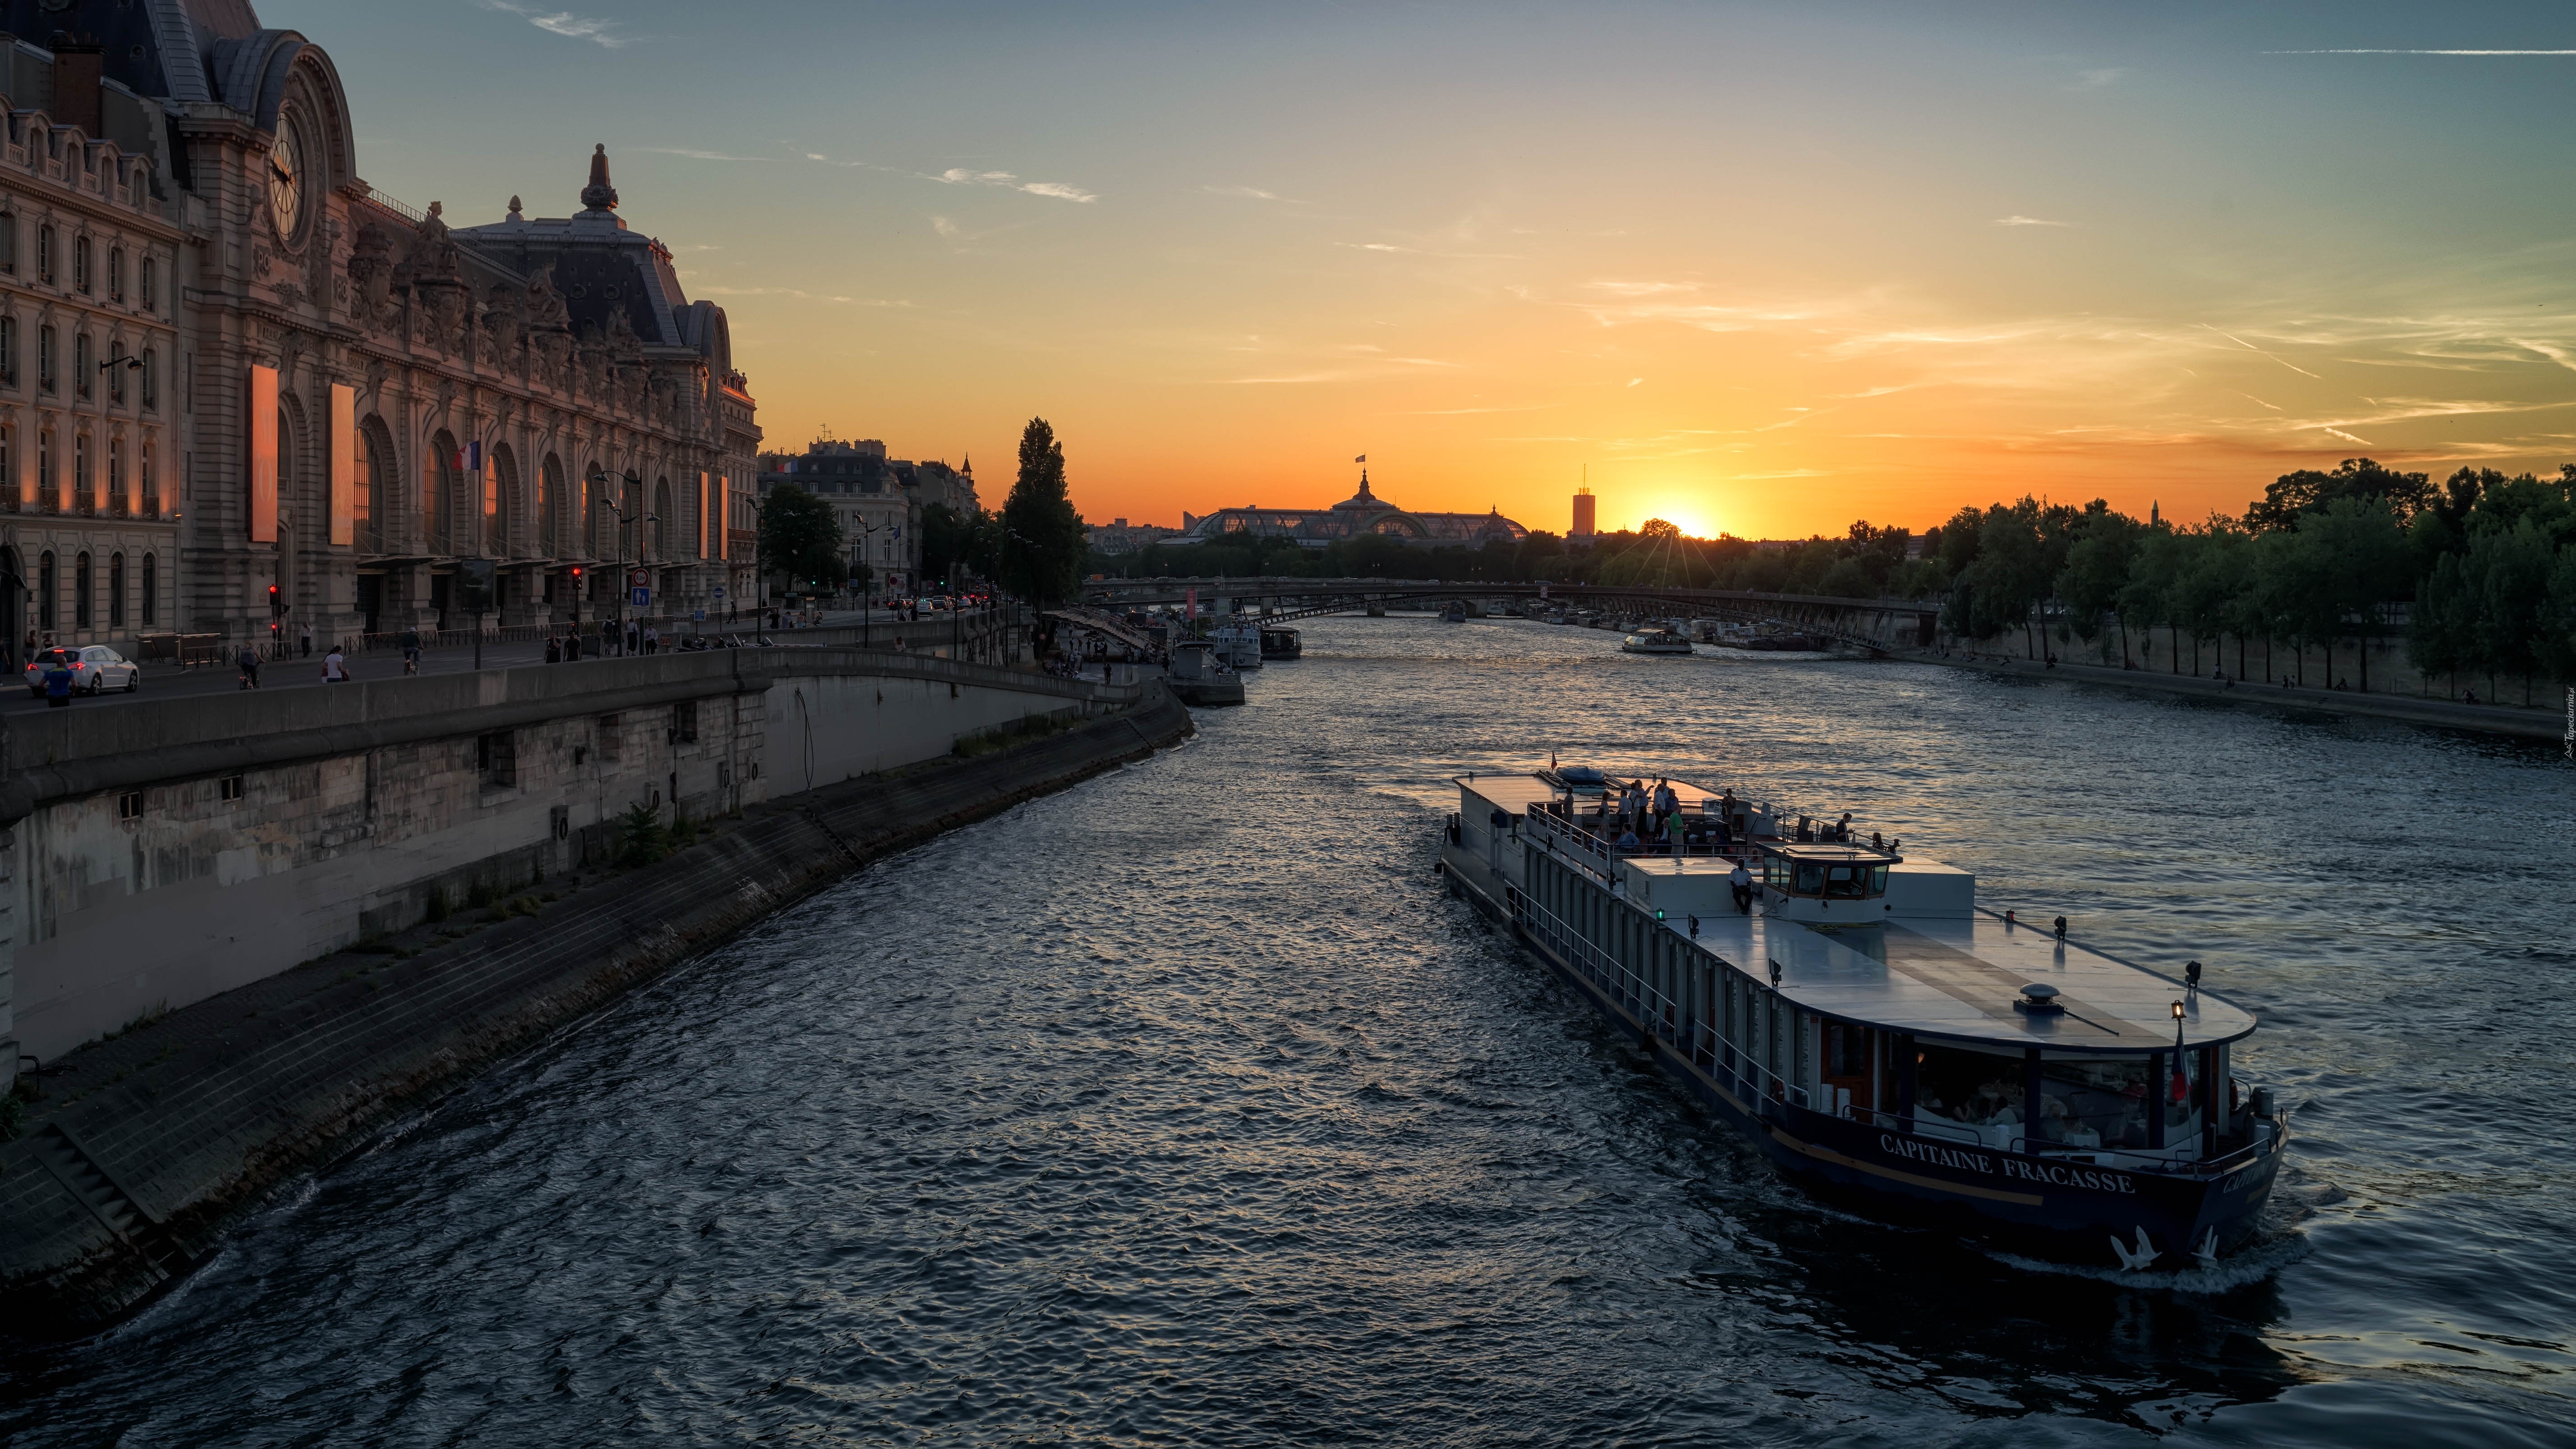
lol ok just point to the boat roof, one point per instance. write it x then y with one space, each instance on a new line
1959 979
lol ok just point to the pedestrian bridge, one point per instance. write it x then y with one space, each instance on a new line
1872 624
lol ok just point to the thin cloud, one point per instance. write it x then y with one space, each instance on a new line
2096 79
1248 193
2017 219
2433 53
565 23
961 176
2349 438
799 294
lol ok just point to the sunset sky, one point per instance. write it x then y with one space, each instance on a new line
1761 268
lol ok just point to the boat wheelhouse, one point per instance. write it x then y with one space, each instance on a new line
1854 1012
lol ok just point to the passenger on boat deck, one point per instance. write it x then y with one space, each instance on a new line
1740 881
1992 1105
1842 828
1875 843
1628 839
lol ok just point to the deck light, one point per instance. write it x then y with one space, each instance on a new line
1775 974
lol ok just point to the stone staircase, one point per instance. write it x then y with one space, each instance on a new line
95 1188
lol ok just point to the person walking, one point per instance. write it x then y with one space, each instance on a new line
304 638
572 647
554 649
335 667
248 662
652 640
411 651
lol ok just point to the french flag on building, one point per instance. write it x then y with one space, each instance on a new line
469 459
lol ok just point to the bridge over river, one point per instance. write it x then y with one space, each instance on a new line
1873 624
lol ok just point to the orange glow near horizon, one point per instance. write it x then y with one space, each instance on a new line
1759 268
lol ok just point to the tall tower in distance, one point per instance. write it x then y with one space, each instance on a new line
1582 515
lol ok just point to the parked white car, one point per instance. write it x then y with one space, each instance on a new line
95 670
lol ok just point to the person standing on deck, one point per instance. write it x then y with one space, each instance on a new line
1740 881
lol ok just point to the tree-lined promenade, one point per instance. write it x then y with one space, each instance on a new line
2472 582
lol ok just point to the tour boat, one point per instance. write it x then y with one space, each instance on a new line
1239 645
1277 643
1456 613
1654 641
1875 1031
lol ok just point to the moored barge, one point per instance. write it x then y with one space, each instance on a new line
1852 1011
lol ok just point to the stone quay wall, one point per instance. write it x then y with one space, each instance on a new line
160 852
139 1155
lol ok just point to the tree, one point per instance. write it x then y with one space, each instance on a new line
2097 568
1042 541
2510 569
2358 562
2155 575
949 540
800 537
2307 490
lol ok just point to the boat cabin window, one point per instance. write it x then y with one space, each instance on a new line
2099 1103
1970 1088
1834 879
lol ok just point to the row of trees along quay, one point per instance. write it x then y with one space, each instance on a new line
2475 579
1032 547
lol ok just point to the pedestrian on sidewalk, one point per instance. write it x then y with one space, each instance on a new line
554 649
411 651
630 638
247 661
304 638
652 640
58 680
335 667
572 646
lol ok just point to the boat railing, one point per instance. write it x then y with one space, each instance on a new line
1665 1018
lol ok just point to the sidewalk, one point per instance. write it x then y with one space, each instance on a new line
2546 720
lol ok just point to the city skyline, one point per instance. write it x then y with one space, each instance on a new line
1758 270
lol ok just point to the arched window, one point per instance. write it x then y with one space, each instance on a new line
48 494
9 351
48 593
80 590
44 247
80 364
115 376
151 590
116 477
116 274
144 285
8 241
84 492
80 264
151 380
116 591
438 483
151 483
549 505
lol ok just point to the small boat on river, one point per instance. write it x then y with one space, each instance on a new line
1859 1017
1279 643
1654 640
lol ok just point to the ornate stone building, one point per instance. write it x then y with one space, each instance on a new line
366 398
91 433
1361 513
878 499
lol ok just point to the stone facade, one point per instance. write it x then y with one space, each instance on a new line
879 500
348 398
1360 514
91 426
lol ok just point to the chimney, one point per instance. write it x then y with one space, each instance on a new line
78 63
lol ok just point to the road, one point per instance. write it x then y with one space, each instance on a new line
162 680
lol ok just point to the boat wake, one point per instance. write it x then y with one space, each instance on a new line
2242 1270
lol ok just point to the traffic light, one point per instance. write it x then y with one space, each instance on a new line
276 602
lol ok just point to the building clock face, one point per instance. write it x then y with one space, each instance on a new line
285 183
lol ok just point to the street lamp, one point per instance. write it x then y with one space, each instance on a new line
600 478
867 534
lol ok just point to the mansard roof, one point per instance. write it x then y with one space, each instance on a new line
601 268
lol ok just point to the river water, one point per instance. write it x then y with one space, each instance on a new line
1183 1107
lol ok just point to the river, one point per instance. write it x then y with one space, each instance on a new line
1184 1107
